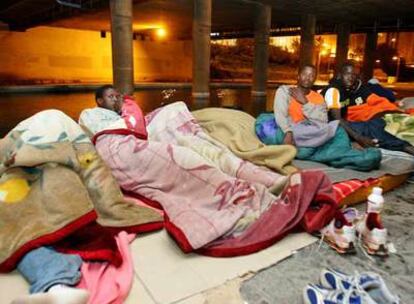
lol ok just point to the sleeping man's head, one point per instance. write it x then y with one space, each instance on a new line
108 97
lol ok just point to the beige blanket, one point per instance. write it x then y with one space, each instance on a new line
49 190
235 129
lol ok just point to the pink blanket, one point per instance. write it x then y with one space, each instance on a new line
209 206
207 209
106 283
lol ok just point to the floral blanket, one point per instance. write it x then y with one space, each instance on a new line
209 206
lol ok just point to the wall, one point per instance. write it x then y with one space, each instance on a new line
52 55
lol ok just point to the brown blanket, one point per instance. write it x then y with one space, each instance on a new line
48 191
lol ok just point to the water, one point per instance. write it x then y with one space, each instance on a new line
17 107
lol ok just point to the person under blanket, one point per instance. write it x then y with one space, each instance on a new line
301 119
361 112
174 124
105 124
204 206
51 274
56 192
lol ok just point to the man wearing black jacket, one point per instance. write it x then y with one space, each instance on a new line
345 95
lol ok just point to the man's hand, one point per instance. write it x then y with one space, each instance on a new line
298 94
288 140
367 142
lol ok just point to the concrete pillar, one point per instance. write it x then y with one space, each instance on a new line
261 58
122 51
343 32
369 55
307 40
201 53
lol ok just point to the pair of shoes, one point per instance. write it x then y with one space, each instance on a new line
317 294
341 232
338 287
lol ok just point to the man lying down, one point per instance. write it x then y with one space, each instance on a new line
212 206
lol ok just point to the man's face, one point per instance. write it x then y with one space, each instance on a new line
349 76
110 100
307 77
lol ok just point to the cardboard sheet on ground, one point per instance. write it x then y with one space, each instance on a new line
171 276
163 274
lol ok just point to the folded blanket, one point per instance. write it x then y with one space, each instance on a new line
48 190
401 126
235 129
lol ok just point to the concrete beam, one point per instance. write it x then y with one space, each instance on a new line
343 32
122 49
369 55
201 53
307 40
261 58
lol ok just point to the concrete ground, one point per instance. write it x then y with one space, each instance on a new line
283 283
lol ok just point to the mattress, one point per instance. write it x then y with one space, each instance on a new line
355 191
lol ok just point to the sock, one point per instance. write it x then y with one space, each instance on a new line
57 294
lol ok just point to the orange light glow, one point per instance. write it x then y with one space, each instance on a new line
147 26
395 58
161 33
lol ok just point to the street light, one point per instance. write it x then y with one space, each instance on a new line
161 33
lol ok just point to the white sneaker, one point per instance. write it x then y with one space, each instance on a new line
373 234
340 234
372 283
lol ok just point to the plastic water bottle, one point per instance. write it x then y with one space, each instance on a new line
375 201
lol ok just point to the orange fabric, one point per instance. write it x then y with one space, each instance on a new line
410 111
295 108
374 105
